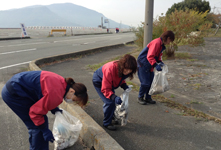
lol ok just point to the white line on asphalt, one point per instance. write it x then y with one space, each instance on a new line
18 51
28 44
80 39
70 40
116 38
15 65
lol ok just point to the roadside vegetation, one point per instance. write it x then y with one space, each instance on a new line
191 21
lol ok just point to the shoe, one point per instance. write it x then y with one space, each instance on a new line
115 122
150 101
110 127
141 101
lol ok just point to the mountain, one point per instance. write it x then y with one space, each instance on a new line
65 14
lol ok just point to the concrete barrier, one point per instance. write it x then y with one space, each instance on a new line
92 134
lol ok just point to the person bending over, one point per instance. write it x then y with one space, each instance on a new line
108 78
32 94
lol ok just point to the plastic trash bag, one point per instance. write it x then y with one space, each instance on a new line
66 130
121 111
160 83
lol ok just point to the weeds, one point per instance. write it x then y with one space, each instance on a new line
135 86
185 111
192 60
195 102
96 66
196 86
182 56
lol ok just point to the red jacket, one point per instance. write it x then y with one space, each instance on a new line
43 89
107 78
53 88
110 79
155 48
151 54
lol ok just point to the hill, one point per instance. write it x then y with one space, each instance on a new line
65 14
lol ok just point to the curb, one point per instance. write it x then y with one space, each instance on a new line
92 134
14 38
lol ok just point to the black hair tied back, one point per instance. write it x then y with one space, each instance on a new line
72 82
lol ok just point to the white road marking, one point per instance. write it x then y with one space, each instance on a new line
116 38
28 44
71 40
18 51
100 37
15 65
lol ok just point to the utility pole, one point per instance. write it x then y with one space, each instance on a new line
148 25
102 22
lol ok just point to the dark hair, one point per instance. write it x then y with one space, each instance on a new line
127 62
167 34
80 91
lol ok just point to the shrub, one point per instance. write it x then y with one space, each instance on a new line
182 23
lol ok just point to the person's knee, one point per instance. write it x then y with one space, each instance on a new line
145 85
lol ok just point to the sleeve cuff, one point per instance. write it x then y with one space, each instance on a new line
54 110
113 97
154 65
124 86
43 126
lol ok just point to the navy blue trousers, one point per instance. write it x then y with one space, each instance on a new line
20 106
108 107
146 79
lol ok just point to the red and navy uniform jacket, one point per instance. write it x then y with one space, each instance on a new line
45 89
106 77
151 54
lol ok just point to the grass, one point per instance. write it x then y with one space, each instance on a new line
182 55
196 86
96 66
135 86
185 111
172 96
192 60
195 102
178 55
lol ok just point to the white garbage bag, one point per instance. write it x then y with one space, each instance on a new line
121 111
66 130
160 83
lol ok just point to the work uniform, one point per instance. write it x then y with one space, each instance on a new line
31 95
106 80
146 61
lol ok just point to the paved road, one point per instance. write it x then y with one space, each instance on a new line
21 52
15 56
150 127
44 32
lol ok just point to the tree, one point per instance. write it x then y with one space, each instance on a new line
214 18
197 5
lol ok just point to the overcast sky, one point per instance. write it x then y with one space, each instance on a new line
130 12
